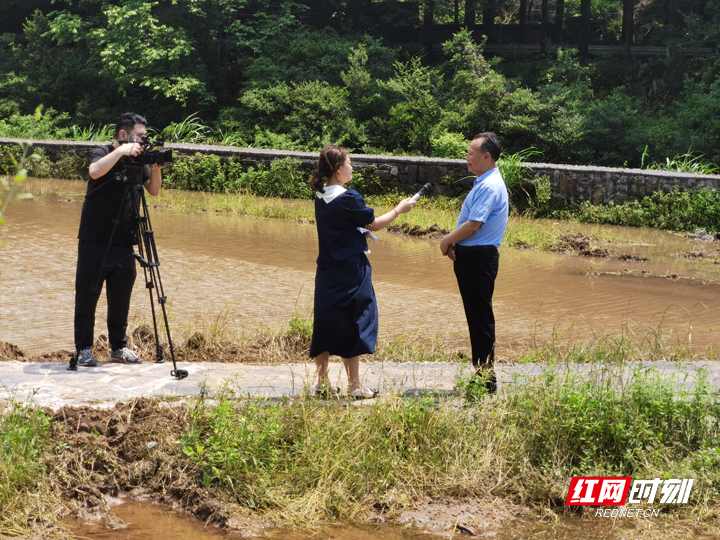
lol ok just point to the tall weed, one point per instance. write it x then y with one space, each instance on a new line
189 130
23 438
684 163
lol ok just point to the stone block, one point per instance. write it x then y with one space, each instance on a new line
598 196
411 174
567 185
433 174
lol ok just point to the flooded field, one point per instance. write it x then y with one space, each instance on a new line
236 272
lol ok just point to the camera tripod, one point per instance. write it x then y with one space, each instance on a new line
148 258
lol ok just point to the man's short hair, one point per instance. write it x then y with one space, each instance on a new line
491 144
127 121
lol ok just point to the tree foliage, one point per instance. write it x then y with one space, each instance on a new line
297 74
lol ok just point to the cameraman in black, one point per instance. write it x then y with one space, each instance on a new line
108 231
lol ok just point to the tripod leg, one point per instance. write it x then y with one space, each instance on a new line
148 259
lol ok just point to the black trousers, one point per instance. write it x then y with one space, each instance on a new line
476 271
114 266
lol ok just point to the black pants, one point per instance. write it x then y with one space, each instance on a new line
118 273
476 271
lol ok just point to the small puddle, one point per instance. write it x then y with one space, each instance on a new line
134 520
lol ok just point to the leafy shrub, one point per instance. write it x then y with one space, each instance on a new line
284 178
684 163
413 119
189 130
585 423
211 173
366 182
678 210
69 167
276 141
312 113
200 173
50 125
315 55
449 145
91 133
527 192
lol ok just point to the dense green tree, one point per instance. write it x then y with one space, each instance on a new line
301 73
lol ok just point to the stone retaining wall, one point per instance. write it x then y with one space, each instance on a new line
573 183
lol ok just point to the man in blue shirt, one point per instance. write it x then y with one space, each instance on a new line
473 246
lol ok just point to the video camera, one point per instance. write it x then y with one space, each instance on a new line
149 155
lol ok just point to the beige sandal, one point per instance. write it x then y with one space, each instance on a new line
326 392
363 393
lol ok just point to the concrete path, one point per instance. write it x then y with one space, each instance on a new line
52 385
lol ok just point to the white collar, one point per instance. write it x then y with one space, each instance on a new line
331 192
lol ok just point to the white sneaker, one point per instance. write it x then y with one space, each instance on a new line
124 356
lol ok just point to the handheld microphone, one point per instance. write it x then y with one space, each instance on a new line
423 191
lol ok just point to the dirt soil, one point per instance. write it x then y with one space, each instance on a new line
705 254
580 244
632 258
132 451
262 347
475 517
434 231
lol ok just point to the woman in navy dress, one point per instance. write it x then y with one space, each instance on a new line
346 316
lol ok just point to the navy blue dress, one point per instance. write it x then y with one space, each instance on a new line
346 315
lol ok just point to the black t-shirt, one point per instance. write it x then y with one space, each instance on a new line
107 199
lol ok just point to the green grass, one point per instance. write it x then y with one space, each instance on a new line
240 204
304 461
642 343
24 499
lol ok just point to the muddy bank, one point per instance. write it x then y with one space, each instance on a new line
267 347
287 345
132 451
434 231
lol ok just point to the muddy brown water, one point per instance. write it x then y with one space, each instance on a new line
133 520
234 271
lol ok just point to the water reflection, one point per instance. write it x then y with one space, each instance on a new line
250 271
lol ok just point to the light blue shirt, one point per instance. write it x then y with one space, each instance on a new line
487 202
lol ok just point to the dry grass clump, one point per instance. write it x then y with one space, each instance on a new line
287 345
634 343
132 446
